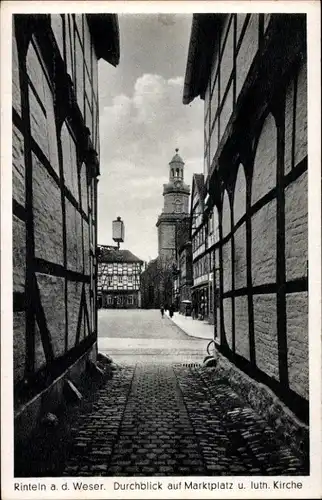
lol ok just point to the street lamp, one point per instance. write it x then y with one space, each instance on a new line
118 231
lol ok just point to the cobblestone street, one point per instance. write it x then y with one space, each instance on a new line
163 414
158 320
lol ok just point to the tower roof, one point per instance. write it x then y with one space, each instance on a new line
177 158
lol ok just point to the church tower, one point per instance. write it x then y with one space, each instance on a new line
176 208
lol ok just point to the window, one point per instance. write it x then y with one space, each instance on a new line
109 299
120 300
109 281
120 279
130 299
178 206
130 279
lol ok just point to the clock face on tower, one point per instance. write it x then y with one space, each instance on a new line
177 183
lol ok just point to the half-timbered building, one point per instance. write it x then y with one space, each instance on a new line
251 72
183 272
119 278
201 291
55 169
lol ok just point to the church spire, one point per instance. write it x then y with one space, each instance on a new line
176 167
176 208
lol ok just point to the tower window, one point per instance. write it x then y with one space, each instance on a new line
177 172
178 206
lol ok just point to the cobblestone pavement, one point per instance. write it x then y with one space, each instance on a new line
163 420
161 414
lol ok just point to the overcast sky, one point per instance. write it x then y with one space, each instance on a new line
142 121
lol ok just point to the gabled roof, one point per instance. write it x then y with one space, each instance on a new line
109 254
200 184
183 232
199 181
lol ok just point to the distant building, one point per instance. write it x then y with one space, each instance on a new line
55 147
118 278
161 276
182 274
251 71
176 208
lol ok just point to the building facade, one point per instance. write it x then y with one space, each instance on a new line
118 278
252 78
202 285
176 208
185 278
55 168
182 272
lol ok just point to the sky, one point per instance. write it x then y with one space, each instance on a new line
142 121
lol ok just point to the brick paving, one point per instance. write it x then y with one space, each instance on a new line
156 435
167 419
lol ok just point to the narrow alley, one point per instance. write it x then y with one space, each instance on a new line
162 413
162 285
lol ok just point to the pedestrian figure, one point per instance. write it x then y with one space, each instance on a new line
171 310
162 311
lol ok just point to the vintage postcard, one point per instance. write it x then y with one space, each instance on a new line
160 250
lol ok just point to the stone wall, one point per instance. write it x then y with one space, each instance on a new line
242 324
264 245
52 210
264 272
247 50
